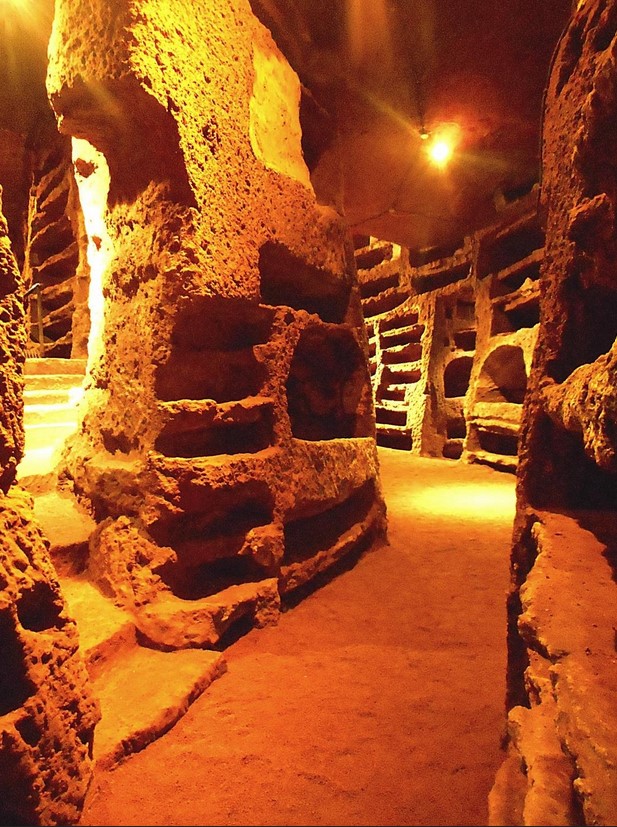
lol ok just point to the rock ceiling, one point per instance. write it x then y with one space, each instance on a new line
386 68
378 71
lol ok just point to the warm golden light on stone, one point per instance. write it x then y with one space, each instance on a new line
440 152
11 5
274 128
254 258
441 144
92 178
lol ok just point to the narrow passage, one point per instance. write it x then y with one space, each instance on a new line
378 700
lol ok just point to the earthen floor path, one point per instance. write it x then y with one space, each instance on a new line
378 700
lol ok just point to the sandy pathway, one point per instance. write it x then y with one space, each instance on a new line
378 700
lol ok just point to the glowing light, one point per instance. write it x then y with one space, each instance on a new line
466 500
92 177
440 152
19 18
76 394
442 144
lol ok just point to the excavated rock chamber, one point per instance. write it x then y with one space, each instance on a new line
451 338
244 354
223 456
561 638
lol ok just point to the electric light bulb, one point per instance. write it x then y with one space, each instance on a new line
440 151
443 142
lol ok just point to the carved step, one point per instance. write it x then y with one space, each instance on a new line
51 400
402 335
394 436
53 366
144 693
50 413
369 257
44 434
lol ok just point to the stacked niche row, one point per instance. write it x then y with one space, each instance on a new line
379 272
211 540
211 386
243 379
512 258
399 338
327 402
498 404
451 338
459 343
318 534
54 251
394 336
445 291
509 261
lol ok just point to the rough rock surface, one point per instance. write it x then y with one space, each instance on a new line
451 339
47 714
561 673
229 424
12 355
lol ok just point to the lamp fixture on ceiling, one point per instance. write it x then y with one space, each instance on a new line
441 143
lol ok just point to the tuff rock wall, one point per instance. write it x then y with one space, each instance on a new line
47 712
562 673
227 448
451 338
41 205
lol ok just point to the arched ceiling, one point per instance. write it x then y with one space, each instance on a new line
375 73
384 69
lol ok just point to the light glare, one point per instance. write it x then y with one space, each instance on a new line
465 500
440 151
93 179
443 143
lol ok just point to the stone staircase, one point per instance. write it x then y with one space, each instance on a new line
142 692
53 389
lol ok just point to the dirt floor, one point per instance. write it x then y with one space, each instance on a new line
378 700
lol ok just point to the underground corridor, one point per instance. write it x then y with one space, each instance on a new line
308 436
363 704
